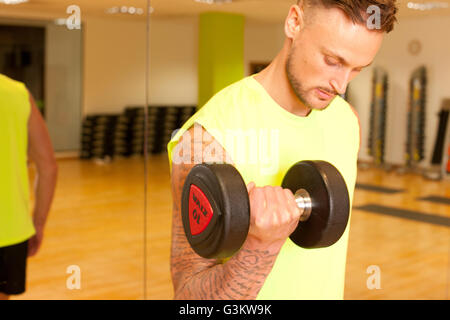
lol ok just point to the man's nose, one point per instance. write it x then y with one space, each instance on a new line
340 82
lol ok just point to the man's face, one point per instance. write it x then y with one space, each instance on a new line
327 54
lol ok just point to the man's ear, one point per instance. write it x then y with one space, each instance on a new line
295 20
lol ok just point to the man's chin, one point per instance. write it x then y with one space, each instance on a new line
315 102
320 104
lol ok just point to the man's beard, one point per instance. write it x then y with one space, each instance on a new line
295 84
298 88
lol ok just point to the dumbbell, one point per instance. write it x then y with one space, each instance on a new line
215 207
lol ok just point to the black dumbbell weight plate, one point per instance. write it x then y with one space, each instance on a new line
330 203
215 210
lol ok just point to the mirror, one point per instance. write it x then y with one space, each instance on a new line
84 65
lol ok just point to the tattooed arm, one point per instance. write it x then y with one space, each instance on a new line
242 276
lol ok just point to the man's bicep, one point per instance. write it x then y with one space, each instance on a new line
185 263
195 146
182 255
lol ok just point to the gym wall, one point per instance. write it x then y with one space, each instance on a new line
400 64
263 41
174 79
63 86
114 65
114 61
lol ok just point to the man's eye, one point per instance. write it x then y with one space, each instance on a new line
331 62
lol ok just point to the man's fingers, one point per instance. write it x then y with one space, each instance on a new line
250 186
290 201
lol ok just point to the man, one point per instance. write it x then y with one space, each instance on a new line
295 100
23 135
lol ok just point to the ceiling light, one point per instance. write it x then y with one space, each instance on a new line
112 10
126 10
60 21
13 1
427 5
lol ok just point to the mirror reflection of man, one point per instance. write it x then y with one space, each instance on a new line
23 137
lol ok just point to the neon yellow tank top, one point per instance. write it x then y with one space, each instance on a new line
264 141
15 221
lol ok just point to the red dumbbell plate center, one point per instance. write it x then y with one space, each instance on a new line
200 210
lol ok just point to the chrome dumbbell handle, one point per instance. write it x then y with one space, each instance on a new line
303 200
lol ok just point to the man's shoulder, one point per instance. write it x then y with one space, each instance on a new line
11 84
342 105
353 123
234 92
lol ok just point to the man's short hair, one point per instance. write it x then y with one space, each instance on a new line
356 10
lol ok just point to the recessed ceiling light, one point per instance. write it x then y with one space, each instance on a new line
13 1
127 10
112 10
60 21
427 5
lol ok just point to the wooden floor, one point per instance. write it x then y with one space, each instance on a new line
97 224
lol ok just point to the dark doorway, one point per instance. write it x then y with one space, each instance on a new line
22 55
